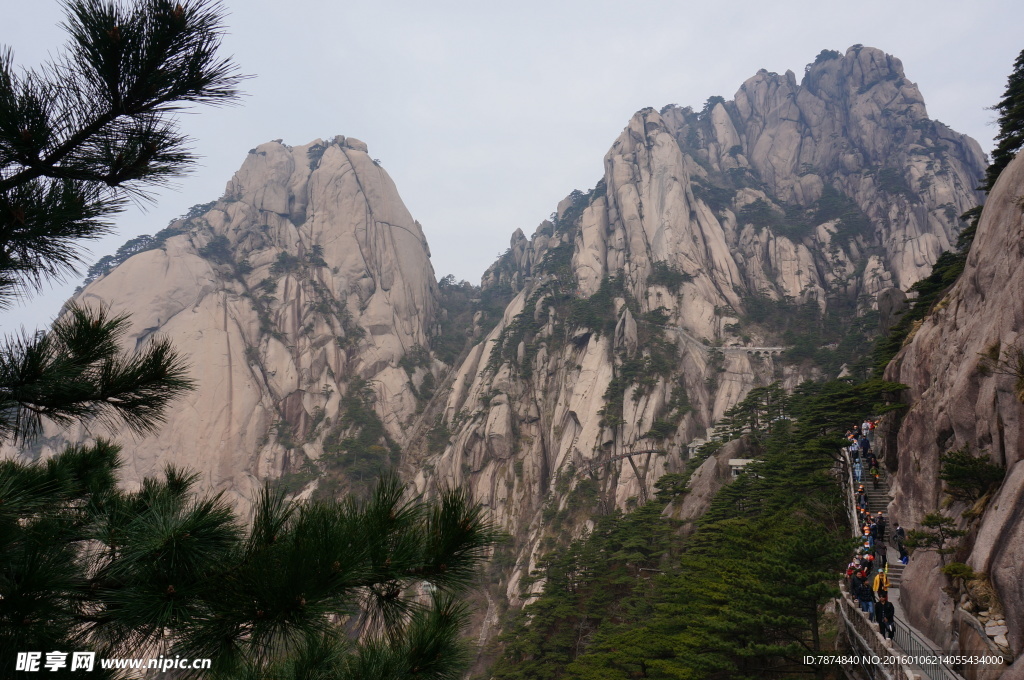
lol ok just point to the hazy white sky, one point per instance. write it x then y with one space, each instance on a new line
487 114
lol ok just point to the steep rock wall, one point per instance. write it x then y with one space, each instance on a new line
961 392
628 329
307 273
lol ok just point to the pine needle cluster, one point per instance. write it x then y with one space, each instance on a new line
360 589
1010 137
81 136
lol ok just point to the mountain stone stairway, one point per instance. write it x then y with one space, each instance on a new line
878 501
908 639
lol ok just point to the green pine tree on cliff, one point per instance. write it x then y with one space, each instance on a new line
1011 124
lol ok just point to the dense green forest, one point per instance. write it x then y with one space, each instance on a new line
742 595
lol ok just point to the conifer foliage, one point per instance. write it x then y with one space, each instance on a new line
1010 138
94 127
78 138
76 371
743 596
166 570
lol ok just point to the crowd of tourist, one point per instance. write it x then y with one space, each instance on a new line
868 572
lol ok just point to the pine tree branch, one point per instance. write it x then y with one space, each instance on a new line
76 371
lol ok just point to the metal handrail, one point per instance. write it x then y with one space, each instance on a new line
874 671
904 637
913 645
851 501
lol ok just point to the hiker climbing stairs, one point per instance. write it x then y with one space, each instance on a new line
902 636
878 501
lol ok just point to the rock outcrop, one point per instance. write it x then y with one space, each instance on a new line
647 307
963 370
308 273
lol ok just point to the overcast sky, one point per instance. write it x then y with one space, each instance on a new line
487 114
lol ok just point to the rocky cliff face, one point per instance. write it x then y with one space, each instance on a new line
648 306
964 372
307 274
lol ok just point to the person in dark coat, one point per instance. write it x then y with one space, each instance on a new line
866 598
885 614
900 534
880 527
853 583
